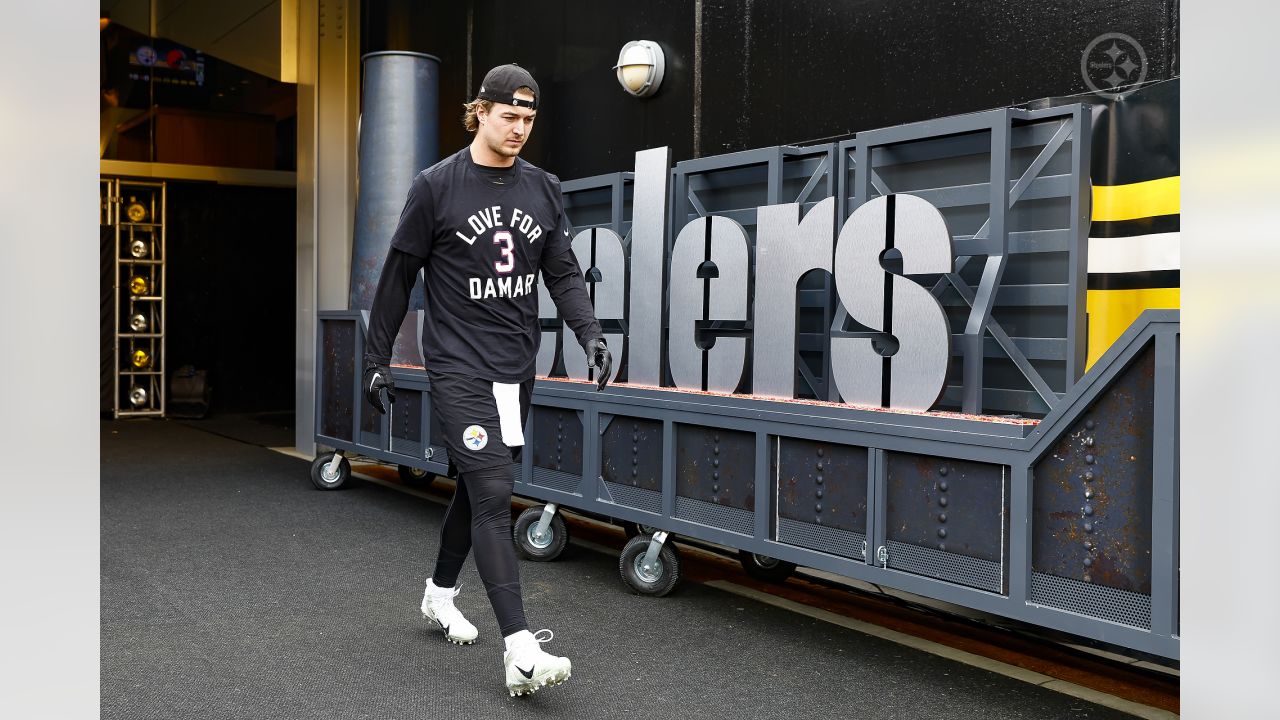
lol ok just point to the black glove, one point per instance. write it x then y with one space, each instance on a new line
598 357
376 378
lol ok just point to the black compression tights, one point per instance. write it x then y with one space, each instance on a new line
480 515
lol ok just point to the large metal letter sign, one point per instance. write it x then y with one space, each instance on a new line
599 253
709 261
787 247
911 377
648 240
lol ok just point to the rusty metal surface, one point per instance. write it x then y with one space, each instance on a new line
632 453
820 483
370 418
337 378
946 504
406 415
1091 514
557 439
716 466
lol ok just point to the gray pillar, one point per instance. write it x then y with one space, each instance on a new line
328 93
398 131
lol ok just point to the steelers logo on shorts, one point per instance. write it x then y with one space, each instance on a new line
475 438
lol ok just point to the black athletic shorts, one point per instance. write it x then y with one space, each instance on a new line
482 421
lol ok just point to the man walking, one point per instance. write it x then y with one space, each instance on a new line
482 224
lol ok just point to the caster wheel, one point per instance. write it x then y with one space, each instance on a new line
541 548
633 529
763 567
415 477
657 579
323 479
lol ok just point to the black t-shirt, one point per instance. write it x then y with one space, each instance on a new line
483 243
497 176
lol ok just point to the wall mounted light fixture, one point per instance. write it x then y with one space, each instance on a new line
640 66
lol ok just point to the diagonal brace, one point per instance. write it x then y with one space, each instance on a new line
1006 343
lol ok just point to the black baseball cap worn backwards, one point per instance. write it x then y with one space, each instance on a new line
501 83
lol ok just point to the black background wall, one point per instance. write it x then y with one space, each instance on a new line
743 74
231 274
740 74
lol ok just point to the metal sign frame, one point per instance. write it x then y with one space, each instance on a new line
1068 522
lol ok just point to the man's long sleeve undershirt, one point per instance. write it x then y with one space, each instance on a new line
390 303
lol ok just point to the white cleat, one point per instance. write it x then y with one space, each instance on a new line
437 606
529 669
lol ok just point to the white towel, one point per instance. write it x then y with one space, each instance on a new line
507 397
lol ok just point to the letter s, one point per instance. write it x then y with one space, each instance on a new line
892 304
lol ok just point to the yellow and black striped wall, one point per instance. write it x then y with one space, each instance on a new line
1134 246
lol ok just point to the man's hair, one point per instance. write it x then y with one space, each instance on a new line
469 119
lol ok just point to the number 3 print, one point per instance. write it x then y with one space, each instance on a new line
508 262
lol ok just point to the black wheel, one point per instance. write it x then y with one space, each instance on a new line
415 476
323 479
657 579
763 567
633 529
542 548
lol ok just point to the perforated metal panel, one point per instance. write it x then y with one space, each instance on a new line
717 516
556 480
959 569
635 497
833 541
1118 606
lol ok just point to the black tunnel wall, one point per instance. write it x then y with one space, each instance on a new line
231 276
743 74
